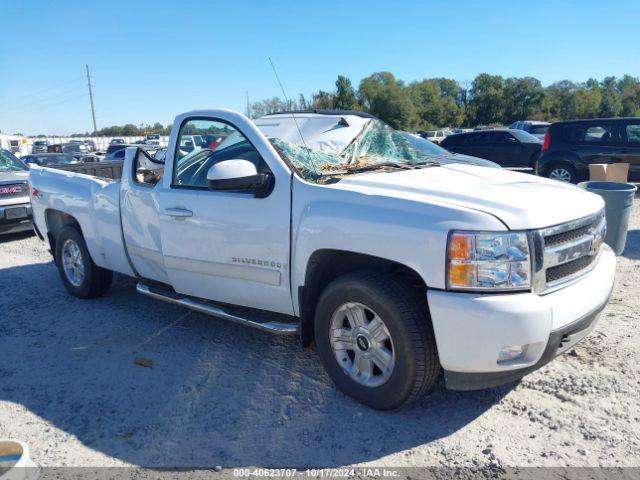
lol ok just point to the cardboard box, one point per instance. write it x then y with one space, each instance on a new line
609 172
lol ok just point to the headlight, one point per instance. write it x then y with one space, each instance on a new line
488 261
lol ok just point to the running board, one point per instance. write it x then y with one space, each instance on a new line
281 328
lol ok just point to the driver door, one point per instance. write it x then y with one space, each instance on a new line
226 246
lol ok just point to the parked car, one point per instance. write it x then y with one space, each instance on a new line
435 136
534 127
570 147
507 148
117 141
15 207
79 151
90 144
443 155
42 159
153 139
331 226
115 152
39 146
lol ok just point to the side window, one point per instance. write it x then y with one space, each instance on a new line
476 139
204 142
593 133
633 133
501 138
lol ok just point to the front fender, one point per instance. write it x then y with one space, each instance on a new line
411 233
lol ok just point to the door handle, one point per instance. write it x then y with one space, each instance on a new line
178 212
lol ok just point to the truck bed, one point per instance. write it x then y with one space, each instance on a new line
108 170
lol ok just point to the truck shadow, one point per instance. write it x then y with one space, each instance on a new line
13 237
216 393
632 247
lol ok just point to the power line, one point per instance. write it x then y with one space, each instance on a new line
40 92
28 105
48 106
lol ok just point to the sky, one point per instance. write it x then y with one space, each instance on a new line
151 60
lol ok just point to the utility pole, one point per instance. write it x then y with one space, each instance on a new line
93 110
248 104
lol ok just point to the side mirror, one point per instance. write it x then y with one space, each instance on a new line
239 176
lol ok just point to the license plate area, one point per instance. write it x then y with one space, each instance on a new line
15 213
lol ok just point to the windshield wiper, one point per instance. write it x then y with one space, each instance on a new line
376 166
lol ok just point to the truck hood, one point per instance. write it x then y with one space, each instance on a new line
8 176
519 200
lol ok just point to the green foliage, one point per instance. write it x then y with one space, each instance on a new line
388 99
345 96
438 101
487 100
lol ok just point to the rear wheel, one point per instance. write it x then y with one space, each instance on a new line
81 277
562 173
375 339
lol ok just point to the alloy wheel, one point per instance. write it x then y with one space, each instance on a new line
560 174
72 263
362 344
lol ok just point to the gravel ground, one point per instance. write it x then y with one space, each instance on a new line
223 394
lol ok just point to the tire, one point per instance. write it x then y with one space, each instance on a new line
562 172
89 280
533 160
413 366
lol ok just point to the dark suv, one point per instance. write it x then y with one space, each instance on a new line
569 147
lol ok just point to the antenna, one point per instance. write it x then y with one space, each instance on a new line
275 72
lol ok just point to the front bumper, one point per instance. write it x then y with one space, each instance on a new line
471 329
15 218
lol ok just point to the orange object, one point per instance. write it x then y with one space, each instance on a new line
461 247
462 274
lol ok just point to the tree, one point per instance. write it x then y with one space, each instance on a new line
130 130
157 127
388 99
345 96
522 99
269 105
589 99
562 101
486 102
438 101
611 104
629 88
322 100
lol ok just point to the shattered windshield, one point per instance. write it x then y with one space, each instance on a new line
9 162
376 146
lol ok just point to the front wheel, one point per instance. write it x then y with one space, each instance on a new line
81 277
375 339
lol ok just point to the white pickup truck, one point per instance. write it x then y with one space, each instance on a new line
397 262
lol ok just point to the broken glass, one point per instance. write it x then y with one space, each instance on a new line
376 145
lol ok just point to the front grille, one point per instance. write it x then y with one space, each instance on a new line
567 251
564 270
564 237
13 190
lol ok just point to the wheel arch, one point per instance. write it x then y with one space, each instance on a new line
56 220
326 265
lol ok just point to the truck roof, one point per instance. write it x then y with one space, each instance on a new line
356 113
327 131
